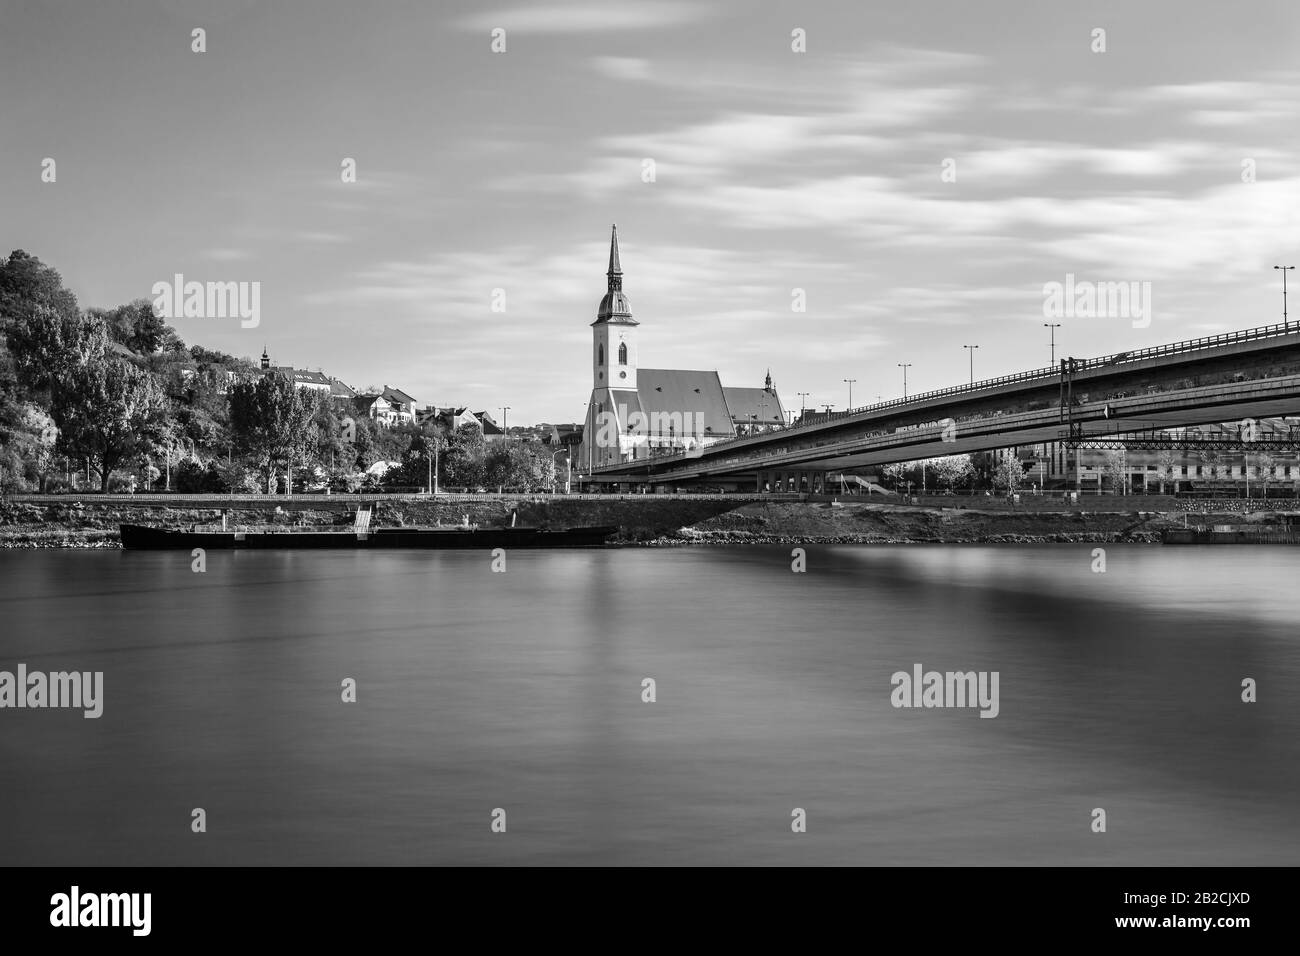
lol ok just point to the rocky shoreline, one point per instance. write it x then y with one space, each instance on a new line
687 539
643 521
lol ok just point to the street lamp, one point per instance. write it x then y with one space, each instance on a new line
850 382
1284 270
1053 326
433 464
568 460
905 366
970 350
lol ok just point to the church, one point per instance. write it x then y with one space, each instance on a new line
637 412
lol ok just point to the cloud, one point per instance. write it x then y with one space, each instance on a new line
589 17
622 67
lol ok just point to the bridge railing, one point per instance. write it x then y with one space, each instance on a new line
1038 374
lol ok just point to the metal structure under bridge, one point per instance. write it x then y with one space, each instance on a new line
1250 374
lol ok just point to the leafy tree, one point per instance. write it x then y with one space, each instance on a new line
1009 474
26 282
414 463
137 327
272 421
952 470
47 344
465 465
1115 467
104 409
1166 462
515 464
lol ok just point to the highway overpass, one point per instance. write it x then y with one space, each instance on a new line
1253 373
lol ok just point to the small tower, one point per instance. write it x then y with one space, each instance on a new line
266 359
613 345
767 384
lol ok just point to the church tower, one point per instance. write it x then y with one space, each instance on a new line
613 345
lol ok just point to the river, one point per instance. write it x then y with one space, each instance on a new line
478 690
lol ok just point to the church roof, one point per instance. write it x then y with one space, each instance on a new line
625 402
755 406
668 391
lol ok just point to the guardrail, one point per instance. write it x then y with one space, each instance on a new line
1039 374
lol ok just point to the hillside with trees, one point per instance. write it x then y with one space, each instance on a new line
111 399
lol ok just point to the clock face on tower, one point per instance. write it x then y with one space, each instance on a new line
622 374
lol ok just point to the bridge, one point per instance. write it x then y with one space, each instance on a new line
1121 399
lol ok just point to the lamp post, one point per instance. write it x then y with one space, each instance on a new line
433 465
904 366
850 382
1052 343
568 459
970 350
1284 270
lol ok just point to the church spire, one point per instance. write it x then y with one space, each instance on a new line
768 384
614 307
615 273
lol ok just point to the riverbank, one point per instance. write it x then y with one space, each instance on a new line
92 522
643 520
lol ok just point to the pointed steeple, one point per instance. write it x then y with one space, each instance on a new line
614 307
615 269
768 384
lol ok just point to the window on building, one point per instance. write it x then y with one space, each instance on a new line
600 359
622 353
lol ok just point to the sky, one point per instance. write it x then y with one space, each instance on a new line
920 172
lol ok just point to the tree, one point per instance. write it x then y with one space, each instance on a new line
415 464
47 344
104 409
271 420
952 470
137 327
1212 460
464 465
1166 462
514 464
1008 474
1115 467
26 282
894 472
1267 465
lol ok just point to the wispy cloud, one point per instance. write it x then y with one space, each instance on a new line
589 17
